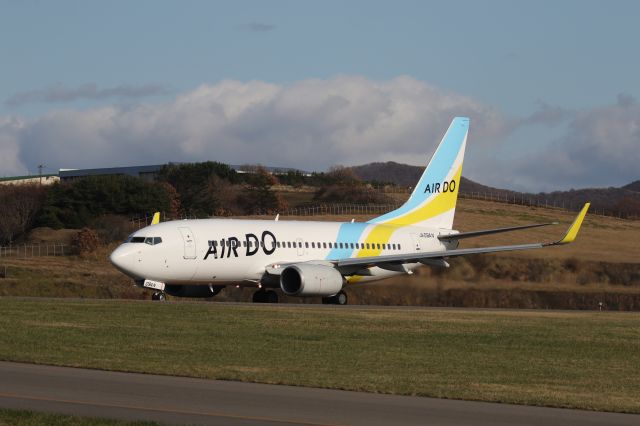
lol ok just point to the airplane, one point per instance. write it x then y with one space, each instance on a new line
199 257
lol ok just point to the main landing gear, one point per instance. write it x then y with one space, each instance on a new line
158 295
338 299
265 296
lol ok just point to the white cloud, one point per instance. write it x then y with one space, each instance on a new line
62 93
601 147
314 124
311 124
10 164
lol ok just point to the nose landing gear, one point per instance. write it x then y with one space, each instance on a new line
338 299
158 295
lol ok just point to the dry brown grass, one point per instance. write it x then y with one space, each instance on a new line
603 264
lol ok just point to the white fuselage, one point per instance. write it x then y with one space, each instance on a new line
236 251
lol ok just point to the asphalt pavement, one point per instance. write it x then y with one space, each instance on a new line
181 400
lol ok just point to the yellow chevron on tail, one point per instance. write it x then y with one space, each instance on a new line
433 201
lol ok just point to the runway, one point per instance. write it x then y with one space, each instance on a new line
180 400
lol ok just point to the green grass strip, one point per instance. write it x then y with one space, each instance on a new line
588 360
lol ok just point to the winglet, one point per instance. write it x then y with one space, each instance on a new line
156 218
572 232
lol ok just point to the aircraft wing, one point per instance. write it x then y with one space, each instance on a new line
350 265
462 235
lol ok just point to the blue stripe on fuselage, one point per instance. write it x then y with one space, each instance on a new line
348 233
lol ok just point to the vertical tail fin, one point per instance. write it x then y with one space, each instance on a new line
433 201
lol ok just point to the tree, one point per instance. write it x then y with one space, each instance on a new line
258 195
343 186
197 183
20 204
76 204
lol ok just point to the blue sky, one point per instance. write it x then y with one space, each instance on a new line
548 84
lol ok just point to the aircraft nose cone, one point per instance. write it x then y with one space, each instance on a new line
122 258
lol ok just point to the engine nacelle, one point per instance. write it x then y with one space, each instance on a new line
310 280
195 291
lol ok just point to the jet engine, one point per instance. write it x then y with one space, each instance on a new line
310 280
195 291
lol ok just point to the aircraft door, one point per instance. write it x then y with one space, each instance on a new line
300 244
416 242
189 242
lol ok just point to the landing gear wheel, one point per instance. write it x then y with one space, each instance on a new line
272 296
337 299
265 296
259 296
158 296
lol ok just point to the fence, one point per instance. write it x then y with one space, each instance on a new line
340 209
543 202
369 209
142 221
34 250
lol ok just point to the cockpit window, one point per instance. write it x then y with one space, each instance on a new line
152 241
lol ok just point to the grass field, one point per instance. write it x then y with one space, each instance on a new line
31 418
583 360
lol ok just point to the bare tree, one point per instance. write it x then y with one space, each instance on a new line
19 205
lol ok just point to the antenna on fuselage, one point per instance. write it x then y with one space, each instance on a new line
277 217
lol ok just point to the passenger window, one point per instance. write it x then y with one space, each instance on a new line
324 245
378 246
313 245
289 244
306 244
352 245
399 248
368 246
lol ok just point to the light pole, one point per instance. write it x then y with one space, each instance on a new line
40 167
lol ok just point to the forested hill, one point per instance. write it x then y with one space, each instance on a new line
633 186
624 200
405 175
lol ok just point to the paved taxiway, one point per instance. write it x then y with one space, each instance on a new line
195 401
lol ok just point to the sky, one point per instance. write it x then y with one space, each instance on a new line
551 86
